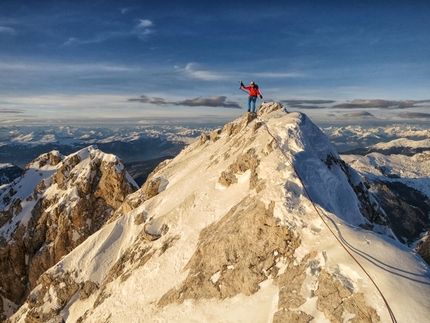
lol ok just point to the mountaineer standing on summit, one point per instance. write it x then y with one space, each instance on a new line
253 93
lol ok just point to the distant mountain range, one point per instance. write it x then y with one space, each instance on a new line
356 139
19 145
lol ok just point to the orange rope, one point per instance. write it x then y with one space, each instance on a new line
393 318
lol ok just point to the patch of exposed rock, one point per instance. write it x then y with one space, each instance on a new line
233 128
423 248
149 189
407 209
336 301
244 162
224 265
269 107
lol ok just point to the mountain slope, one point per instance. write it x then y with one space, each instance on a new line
230 235
56 204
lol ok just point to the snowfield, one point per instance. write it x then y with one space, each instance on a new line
243 187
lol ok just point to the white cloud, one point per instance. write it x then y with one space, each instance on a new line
71 41
65 99
192 70
279 75
144 23
95 40
64 67
142 30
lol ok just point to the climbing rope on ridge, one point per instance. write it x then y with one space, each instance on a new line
392 316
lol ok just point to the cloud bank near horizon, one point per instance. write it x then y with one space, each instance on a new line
13 111
381 104
414 115
212 102
357 104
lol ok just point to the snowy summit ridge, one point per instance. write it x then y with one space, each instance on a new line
254 222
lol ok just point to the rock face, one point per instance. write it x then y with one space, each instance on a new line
232 229
223 264
9 172
408 211
54 207
401 186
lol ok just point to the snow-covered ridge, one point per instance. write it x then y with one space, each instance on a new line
2 166
231 235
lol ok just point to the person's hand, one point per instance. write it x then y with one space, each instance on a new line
261 96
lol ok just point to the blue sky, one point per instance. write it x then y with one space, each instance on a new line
173 61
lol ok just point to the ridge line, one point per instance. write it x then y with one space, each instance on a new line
390 311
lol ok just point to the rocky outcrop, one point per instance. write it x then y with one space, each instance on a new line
423 248
224 265
269 107
368 206
407 210
59 213
247 161
339 303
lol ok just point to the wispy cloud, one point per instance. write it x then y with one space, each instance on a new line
13 111
414 115
6 30
192 70
64 67
145 99
58 101
145 23
213 102
382 104
307 104
143 28
279 75
100 38
359 114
